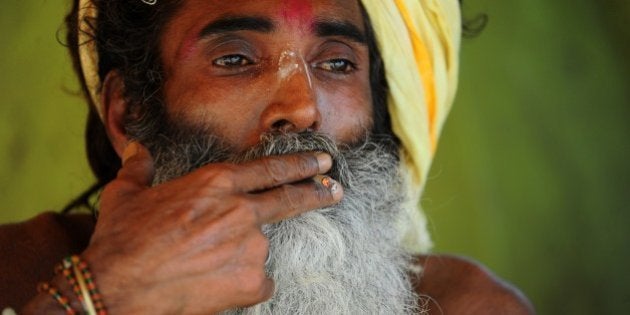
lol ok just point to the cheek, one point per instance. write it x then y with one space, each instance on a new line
226 107
347 113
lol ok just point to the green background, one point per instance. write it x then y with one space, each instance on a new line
531 177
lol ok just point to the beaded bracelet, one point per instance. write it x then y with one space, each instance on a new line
66 270
92 297
62 300
78 275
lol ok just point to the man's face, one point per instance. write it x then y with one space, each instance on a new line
252 79
245 68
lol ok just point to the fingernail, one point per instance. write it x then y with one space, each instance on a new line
333 186
130 150
324 161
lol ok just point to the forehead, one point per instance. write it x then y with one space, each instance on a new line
281 6
289 13
294 17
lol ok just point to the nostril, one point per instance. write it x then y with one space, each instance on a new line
313 127
282 125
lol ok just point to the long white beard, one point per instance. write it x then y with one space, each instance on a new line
346 259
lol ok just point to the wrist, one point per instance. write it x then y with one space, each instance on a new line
72 291
121 293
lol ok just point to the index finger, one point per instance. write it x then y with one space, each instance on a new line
273 171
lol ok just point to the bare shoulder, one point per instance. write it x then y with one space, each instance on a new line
456 285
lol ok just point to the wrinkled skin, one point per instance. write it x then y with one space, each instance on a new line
197 239
198 236
201 234
194 245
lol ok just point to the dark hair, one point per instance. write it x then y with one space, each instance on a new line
127 37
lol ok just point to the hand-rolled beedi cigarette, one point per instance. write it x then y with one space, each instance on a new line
327 182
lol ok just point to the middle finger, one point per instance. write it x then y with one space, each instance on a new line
290 200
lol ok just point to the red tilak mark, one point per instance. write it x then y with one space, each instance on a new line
298 12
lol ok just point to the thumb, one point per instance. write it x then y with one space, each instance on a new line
137 165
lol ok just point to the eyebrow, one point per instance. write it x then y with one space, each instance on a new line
237 23
323 28
326 28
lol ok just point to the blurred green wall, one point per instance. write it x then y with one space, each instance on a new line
531 177
42 161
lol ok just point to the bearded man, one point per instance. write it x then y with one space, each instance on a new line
255 157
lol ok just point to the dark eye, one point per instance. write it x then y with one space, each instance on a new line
337 65
230 61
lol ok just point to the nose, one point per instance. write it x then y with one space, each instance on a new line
293 106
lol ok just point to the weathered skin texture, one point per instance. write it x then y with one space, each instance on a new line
453 285
197 239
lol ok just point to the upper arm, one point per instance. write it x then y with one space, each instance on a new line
455 285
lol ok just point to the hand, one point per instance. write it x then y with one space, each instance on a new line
194 245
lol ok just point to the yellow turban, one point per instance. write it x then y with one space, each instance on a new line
419 43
